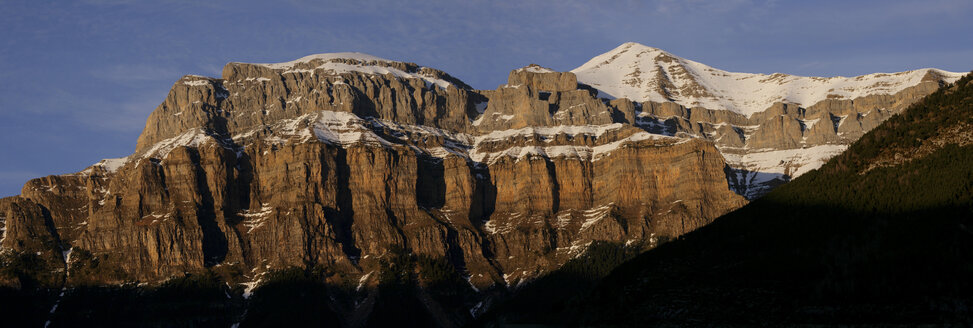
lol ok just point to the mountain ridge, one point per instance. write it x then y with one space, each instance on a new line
764 153
342 167
692 84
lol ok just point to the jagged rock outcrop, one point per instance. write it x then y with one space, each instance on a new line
251 95
543 79
30 244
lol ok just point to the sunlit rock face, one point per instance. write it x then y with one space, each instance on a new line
333 160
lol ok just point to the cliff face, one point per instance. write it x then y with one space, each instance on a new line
787 140
332 162
342 160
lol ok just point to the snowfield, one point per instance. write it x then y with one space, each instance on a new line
635 71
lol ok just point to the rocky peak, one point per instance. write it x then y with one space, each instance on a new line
543 79
770 128
258 96
537 96
347 62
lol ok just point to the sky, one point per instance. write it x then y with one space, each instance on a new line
79 78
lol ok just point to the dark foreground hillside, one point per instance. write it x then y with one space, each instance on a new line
881 235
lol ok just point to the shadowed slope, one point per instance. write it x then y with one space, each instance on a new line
879 235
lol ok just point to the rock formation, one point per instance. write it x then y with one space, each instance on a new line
334 160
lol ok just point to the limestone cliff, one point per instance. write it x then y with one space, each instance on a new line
339 161
334 160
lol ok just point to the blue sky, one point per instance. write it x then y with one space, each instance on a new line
79 78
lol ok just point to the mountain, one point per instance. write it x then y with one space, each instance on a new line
766 126
877 236
347 164
642 73
364 184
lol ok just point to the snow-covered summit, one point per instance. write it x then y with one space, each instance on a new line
363 57
644 73
338 62
534 68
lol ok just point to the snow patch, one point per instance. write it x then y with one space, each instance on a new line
256 219
806 125
66 255
192 138
592 216
325 57
535 69
252 285
285 130
363 280
196 83
112 164
775 161
564 219
758 167
344 129
3 231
